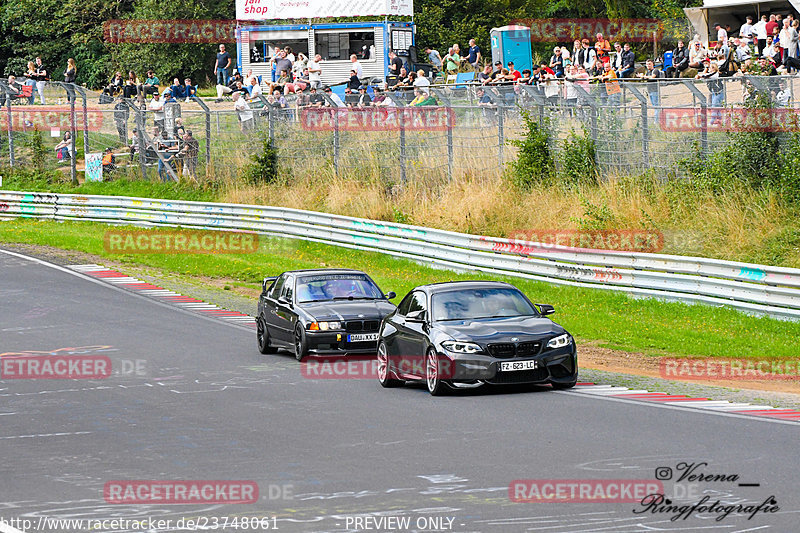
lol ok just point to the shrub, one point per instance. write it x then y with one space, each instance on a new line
263 166
535 162
579 159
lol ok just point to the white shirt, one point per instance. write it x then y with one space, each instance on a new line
760 29
746 31
157 107
782 98
356 65
422 81
722 35
312 66
243 109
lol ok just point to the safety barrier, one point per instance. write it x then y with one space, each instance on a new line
758 289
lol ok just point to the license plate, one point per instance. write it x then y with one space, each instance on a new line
512 366
362 337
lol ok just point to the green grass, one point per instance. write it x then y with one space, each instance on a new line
21 181
612 319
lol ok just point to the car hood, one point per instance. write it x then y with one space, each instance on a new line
348 310
500 329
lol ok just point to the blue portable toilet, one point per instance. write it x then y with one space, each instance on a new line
512 43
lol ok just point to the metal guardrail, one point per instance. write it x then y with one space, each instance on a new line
758 289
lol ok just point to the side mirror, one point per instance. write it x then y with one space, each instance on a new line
284 300
546 309
417 316
389 295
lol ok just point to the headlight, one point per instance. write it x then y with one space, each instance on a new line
324 326
461 347
560 341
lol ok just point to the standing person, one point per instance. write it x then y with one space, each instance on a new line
653 74
557 62
603 48
355 64
121 114
41 79
746 31
434 57
221 66
69 78
722 34
315 72
189 153
612 88
246 118
31 75
474 54
771 26
395 64
452 61
589 56
760 34
156 105
628 62
788 39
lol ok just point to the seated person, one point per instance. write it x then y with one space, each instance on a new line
189 90
176 89
425 99
350 98
379 96
234 84
14 90
115 85
353 83
315 99
364 99
281 82
150 83
299 85
168 98
276 99
108 160
64 148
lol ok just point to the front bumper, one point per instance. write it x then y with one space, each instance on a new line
553 366
334 343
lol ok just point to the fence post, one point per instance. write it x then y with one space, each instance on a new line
82 92
403 145
271 119
73 171
207 113
336 141
501 134
449 144
7 96
645 125
690 84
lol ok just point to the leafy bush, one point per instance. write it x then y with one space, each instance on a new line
263 167
535 163
579 159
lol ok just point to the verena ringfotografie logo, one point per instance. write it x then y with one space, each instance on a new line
55 367
179 242
180 492
582 490
744 369
568 30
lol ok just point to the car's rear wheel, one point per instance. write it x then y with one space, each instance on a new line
562 386
385 375
300 344
433 378
262 336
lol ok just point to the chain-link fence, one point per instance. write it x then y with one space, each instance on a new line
635 125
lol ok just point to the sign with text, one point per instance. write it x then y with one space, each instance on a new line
305 9
377 119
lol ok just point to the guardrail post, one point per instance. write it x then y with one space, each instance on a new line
690 84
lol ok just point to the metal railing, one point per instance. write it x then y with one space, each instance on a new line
757 289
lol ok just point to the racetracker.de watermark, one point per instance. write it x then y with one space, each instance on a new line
55 367
729 120
140 492
742 369
544 240
368 368
169 31
378 119
582 490
179 242
568 30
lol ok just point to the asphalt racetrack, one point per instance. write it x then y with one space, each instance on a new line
190 398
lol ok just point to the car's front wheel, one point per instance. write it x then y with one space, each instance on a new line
262 336
433 377
300 344
385 374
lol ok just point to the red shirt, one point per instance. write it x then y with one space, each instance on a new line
516 74
770 27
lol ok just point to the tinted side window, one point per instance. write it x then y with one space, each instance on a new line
288 289
276 288
402 309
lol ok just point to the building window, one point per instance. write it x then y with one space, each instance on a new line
343 44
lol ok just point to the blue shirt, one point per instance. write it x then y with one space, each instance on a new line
472 55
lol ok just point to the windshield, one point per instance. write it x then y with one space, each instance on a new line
336 286
480 303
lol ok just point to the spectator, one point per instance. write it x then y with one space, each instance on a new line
189 90
221 66
299 85
550 86
513 73
570 92
567 58
156 106
289 55
41 78
766 67
315 72
134 144
576 51
277 100
485 76
616 58
315 99
14 90
231 87
589 57
69 77
772 51
722 35
379 96
783 96
760 34
189 153
526 77
168 150
422 99
353 83
108 161
273 63
788 41
611 85
167 97
746 31
422 82
697 55
652 74
715 88
245 114
628 62
280 84
64 148
742 51
334 97
178 130
771 26
680 61
251 85
133 86
31 82
556 62
474 54
485 102
150 83
282 64
355 64
395 64
114 86
300 65
603 48
434 57
121 114
176 89
452 61
363 98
